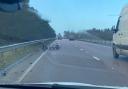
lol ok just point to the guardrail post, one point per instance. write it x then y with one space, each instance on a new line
1 57
15 50
24 48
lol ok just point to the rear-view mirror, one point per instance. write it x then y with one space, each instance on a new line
10 5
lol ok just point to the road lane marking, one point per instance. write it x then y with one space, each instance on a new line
109 47
98 59
31 67
81 49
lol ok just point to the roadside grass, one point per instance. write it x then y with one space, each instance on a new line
11 56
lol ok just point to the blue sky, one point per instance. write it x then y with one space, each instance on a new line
79 15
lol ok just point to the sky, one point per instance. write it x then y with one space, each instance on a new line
77 15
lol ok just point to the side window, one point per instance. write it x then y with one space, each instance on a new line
117 26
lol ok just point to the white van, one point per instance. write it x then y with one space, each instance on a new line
120 36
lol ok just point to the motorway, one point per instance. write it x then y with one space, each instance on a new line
77 61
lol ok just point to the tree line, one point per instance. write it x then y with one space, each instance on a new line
24 25
94 33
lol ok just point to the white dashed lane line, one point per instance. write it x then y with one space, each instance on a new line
96 58
112 68
81 49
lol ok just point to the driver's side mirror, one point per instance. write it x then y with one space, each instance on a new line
10 5
115 30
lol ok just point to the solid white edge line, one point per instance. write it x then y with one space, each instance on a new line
98 59
31 67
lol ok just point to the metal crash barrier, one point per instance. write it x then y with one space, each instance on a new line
12 53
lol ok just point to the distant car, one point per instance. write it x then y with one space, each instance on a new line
59 38
57 46
54 47
71 39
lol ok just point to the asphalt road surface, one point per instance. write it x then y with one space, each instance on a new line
78 61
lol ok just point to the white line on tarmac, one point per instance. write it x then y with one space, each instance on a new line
81 49
96 58
31 67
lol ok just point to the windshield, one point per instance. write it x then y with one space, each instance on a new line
71 41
